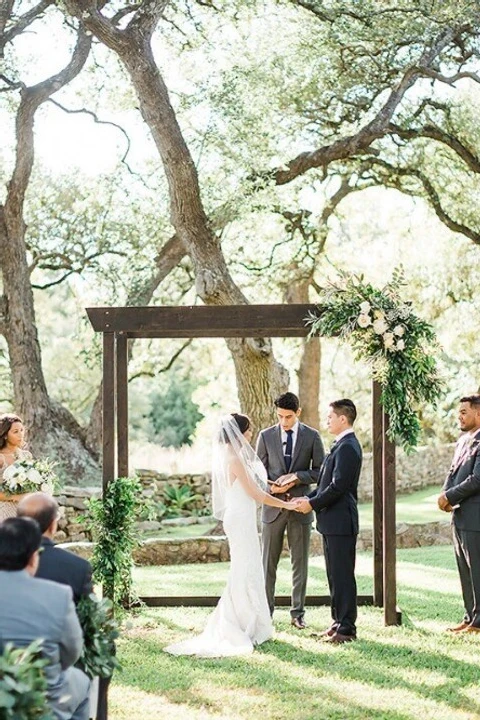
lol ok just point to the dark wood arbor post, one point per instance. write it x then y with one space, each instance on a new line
120 324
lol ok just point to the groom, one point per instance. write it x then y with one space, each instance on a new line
292 454
335 504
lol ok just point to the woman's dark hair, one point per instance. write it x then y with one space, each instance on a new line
6 422
19 539
243 421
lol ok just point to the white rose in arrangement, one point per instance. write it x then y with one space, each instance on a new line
365 307
389 340
400 344
378 315
399 330
380 326
364 320
29 475
34 476
9 473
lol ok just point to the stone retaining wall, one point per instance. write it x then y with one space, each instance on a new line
426 467
209 549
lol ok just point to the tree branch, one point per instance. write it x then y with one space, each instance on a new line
435 133
31 99
97 120
449 80
165 368
23 21
360 142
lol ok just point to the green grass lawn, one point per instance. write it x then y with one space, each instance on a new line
394 673
419 507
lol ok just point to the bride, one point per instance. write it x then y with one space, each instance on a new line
12 443
241 619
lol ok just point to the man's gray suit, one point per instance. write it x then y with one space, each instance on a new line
307 458
31 608
462 488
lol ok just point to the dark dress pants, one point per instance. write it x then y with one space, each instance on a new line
467 555
298 535
339 553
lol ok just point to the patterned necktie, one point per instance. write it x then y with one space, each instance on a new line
289 449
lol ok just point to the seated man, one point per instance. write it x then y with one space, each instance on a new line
31 609
55 564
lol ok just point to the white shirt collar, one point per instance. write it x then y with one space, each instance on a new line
343 433
295 432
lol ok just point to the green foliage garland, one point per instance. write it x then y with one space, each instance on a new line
112 523
100 631
23 684
398 345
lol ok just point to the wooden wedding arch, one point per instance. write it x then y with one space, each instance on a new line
118 324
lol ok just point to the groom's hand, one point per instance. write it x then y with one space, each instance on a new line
444 504
303 506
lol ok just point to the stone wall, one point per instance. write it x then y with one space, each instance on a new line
209 549
423 468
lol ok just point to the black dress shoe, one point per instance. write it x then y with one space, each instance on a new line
338 639
299 623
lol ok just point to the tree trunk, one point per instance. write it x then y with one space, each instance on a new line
52 430
309 369
258 375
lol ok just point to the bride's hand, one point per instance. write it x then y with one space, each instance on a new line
292 504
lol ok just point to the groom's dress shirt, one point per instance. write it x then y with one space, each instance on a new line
294 431
338 437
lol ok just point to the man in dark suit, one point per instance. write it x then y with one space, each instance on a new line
292 453
31 609
56 564
335 504
461 495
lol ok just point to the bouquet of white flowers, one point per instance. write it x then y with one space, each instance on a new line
29 475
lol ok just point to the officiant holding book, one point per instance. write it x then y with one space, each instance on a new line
292 454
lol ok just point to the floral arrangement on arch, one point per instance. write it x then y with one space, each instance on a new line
399 346
28 475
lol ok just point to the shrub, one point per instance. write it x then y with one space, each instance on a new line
23 684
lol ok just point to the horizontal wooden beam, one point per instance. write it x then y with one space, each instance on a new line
203 321
212 600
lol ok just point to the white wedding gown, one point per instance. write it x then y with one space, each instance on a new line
241 619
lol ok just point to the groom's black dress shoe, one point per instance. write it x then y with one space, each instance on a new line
337 638
299 623
325 633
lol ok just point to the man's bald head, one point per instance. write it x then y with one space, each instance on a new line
41 507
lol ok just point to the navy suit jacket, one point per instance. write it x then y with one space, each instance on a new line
66 568
462 486
335 499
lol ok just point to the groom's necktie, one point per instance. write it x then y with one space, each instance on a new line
289 449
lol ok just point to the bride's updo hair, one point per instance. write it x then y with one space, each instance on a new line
243 422
6 422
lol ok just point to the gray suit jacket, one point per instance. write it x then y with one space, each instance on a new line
30 609
462 486
307 458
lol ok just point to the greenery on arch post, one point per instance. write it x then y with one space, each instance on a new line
399 346
111 520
